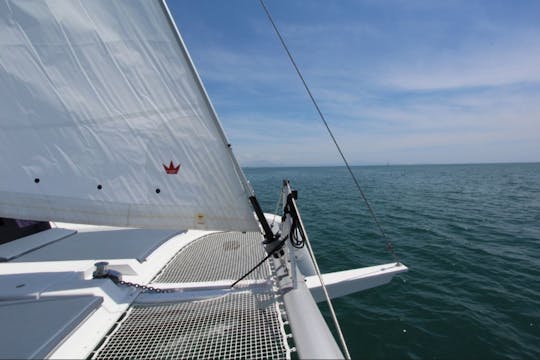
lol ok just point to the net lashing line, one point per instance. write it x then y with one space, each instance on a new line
299 239
291 202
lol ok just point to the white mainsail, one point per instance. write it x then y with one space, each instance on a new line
104 120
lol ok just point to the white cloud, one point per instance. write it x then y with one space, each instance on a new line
410 102
509 61
499 124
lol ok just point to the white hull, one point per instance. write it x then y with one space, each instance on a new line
33 274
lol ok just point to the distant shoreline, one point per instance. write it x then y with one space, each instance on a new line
387 165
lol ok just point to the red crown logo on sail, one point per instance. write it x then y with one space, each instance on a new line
171 169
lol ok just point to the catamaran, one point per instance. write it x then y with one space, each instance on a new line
144 238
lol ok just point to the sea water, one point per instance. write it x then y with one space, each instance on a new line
470 235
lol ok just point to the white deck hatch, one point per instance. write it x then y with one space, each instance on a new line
37 327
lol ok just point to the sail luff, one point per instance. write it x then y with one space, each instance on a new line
213 112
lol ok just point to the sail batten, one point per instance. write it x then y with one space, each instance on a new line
105 121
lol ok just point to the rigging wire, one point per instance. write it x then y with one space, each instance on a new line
355 180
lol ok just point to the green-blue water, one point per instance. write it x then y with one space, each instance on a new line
470 235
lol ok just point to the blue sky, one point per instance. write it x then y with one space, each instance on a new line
400 82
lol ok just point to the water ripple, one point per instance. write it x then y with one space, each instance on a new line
470 235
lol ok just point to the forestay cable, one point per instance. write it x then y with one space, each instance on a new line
356 182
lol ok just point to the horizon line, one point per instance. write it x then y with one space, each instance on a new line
390 164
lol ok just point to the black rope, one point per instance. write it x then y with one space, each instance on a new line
278 247
368 205
296 236
296 233
297 240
